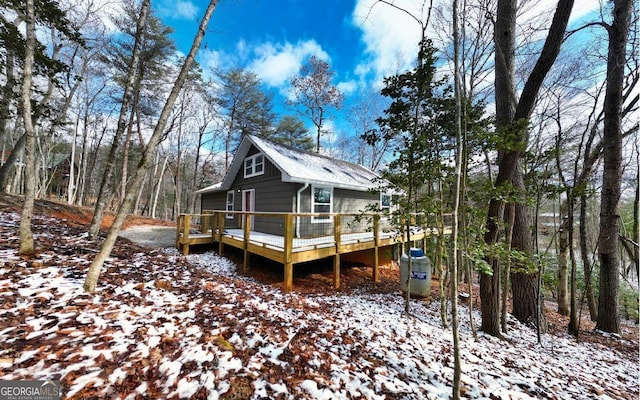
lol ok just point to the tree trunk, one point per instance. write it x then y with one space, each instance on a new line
7 167
124 108
158 187
504 37
586 260
147 157
5 114
574 320
509 114
511 216
524 282
490 284
457 366
125 151
563 258
608 318
27 247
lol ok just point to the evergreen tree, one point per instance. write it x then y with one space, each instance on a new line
292 132
415 120
247 108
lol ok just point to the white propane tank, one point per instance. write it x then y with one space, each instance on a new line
420 273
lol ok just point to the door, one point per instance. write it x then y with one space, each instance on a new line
249 205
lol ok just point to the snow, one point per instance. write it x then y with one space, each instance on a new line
302 167
215 334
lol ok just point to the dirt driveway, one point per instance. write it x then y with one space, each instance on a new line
151 236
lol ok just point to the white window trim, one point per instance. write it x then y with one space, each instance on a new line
253 159
388 208
321 220
233 200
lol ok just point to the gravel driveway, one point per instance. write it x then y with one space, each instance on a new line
151 236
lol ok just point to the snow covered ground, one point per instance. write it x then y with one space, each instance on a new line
167 326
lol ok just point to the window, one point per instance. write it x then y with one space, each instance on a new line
322 202
230 201
385 203
254 165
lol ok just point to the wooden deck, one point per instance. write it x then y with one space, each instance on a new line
287 249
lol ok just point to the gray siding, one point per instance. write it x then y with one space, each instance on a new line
344 202
213 201
350 201
273 195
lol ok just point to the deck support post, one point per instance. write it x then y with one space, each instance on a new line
337 226
247 231
376 247
185 234
179 230
287 256
336 271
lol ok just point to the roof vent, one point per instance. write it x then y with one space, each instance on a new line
328 170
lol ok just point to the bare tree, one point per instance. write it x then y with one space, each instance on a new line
27 247
457 367
510 114
315 93
362 116
147 156
608 252
100 206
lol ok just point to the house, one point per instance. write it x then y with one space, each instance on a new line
59 170
269 177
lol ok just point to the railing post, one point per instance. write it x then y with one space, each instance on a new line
288 249
214 225
221 222
247 231
204 222
376 247
337 234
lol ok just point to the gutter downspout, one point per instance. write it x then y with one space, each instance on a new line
298 194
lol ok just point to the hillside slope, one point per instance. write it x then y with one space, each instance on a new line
167 326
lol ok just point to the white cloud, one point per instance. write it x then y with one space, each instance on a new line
390 35
347 88
545 8
185 10
276 63
210 60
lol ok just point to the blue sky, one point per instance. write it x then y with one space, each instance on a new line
274 38
363 40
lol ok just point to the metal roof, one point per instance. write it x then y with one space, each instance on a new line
299 166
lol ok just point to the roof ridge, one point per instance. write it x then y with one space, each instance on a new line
310 153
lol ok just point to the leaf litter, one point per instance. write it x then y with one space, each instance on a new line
162 325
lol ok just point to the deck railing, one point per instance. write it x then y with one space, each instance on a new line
291 238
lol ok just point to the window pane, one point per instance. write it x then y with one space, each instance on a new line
322 195
385 200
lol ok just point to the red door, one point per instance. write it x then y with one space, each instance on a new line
249 204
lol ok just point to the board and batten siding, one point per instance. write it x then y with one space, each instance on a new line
344 202
213 201
273 195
